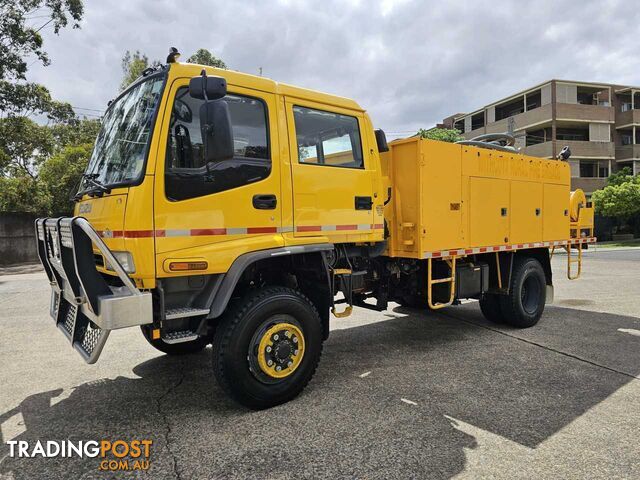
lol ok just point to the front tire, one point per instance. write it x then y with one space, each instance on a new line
524 305
267 347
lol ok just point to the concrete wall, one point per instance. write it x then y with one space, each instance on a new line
17 239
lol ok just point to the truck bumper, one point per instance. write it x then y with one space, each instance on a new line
84 306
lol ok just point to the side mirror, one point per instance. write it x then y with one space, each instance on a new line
381 140
217 134
207 88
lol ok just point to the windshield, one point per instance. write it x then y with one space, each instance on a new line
120 150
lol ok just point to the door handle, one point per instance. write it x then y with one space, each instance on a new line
265 201
364 203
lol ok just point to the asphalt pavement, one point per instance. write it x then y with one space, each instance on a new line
398 394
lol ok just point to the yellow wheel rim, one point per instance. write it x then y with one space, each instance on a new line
281 350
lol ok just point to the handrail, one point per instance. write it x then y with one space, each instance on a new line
109 257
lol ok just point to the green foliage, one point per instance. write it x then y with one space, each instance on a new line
620 177
20 41
60 176
24 145
205 57
620 199
22 194
40 164
442 134
133 64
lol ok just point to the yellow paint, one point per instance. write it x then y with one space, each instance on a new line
443 196
448 196
289 331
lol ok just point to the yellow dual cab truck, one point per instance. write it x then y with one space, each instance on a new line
227 209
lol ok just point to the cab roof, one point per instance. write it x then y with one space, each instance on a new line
264 84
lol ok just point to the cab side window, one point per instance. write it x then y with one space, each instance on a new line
326 138
187 175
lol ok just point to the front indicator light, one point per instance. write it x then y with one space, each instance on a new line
187 266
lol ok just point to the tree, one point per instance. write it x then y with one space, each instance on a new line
20 41
133 64
22 194
205 57
620 177
441 134
60 176
620 200
24 145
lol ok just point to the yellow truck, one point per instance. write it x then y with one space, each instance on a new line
228 209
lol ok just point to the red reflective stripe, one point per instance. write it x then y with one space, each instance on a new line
138 233
436 254
377 226
160 233
262 230
468 251
308 228
346 227
198 232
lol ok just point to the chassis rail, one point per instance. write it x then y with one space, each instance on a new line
85 308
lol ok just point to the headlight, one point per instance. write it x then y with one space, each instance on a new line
125 259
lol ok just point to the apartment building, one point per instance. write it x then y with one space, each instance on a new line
597 121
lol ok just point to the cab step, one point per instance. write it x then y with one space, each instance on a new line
179 336
183 312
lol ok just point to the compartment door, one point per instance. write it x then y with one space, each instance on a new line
526 212
555 212
489 211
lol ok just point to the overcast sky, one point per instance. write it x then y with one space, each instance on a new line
409 63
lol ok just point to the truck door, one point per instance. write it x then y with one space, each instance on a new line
331 175
217 211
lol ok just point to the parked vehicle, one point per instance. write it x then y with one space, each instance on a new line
227 209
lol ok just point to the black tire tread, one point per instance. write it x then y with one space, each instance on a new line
510 303
224 331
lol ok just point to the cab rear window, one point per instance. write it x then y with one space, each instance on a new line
326 138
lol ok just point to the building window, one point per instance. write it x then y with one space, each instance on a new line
591 169
626 138
326 138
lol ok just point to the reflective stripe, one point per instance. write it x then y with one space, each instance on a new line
506 248
199 232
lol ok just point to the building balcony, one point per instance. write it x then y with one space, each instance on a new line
579 149
585 113
630 117
588 185
627 152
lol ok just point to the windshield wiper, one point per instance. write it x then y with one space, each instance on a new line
98 189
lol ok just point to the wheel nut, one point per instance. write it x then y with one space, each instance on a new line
295 339
276 337
295 353
278 368
269 362
289 364
287 334
268 349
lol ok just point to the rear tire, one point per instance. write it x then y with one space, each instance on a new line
491 308
184 348
267 320
524 305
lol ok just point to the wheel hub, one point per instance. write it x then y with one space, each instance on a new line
280 350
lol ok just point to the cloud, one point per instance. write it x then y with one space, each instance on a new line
409 63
